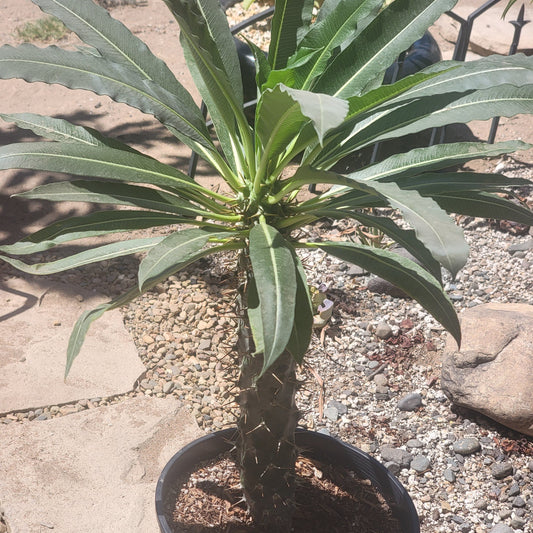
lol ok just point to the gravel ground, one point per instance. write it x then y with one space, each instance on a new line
464 473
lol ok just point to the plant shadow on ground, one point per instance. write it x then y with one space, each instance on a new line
509 442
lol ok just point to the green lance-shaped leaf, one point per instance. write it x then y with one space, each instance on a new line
283 111
95 161
427 112
174 252
275 276
430 158
324 111
503 101
293 75
212 59
484 205
438 157
77 70
262 66
88 317
344 21
385 94
446 182
405 274
57 129
484 73
447 77
289 24
434 185
91 225
440 235
302 328
94 255
370 54
405 238
114 41
83 323
205 23
432 225
278 120
112 193
254 315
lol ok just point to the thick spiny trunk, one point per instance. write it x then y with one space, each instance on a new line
266 450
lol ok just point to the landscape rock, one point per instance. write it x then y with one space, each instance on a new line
341 408
410 402
331 413
91 471
396 455
501 470
466 446
493 371
420 464
449 475
383 331
518 502
501 528
382 286
521 246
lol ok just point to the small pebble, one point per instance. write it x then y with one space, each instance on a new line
341 408
449 475
501 470
466 446
501 528
518 502
410 402
420 464
514 490
383 331
397 455
331 413
518 523
414 443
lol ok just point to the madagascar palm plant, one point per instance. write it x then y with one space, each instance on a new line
320 98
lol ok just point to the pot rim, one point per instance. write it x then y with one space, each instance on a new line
316 445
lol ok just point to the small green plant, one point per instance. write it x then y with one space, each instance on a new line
320 98
45 30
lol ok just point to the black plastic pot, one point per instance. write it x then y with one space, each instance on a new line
312 445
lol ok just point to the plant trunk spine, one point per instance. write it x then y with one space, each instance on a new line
266 451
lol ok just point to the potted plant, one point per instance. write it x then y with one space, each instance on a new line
320 99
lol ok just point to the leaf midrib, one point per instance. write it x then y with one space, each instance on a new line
372 58
113 45
119 82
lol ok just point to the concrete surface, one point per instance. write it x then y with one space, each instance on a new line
490 33
93 471
36 319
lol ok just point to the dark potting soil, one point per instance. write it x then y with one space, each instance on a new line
327 499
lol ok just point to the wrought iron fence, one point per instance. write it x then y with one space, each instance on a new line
464 37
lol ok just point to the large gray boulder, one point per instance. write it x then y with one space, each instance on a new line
492 372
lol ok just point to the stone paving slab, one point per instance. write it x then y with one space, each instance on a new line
490 33
36 318
92 471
